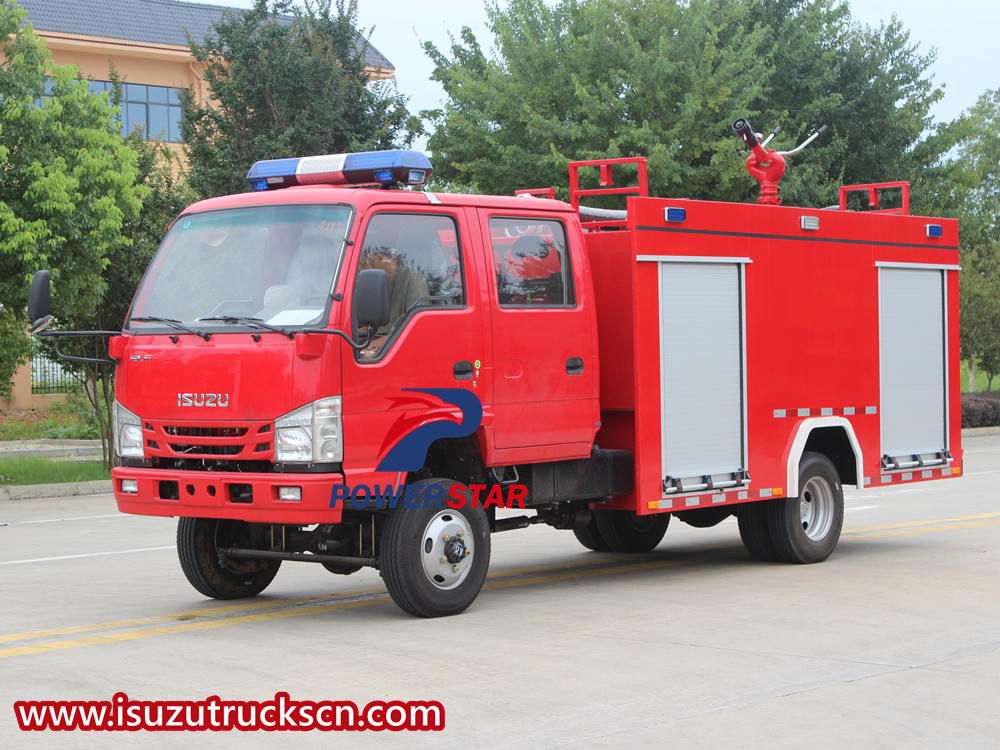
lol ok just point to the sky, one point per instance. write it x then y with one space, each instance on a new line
963 32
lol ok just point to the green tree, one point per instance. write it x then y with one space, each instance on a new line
286 82
67 185
965 184
665 79
164 195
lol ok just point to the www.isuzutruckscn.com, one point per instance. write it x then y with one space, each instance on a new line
278 714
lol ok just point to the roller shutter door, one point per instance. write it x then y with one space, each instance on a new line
912 361
701 362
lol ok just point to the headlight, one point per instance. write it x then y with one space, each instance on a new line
127 433
310 434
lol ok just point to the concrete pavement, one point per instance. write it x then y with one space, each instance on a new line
893 642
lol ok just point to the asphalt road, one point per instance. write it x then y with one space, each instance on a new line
893 642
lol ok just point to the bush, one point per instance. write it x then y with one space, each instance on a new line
980 409
80 420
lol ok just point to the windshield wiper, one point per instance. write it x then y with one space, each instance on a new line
173 324
255 322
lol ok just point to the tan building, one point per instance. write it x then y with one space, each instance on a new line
146 42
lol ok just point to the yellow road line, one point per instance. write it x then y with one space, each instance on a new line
380 598
925 530
907 524
275 603
187 627
377 595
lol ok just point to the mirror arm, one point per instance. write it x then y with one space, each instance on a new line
348 339
60 334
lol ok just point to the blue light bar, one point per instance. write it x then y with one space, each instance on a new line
935 230
675 214
363 168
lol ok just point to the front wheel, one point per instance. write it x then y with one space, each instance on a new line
805 529
434 561
198 543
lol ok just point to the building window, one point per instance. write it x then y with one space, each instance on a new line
155 111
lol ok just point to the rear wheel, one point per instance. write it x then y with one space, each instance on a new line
624 531
805 529
590 536
198 543
434 561
756 536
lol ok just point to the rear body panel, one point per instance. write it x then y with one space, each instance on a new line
804 308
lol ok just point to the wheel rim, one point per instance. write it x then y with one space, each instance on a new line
227 534
816 508
447 550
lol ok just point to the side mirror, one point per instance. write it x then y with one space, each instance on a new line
371 298
38 302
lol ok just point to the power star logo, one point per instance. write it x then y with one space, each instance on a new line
412 433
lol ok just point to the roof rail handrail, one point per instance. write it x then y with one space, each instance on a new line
873 200
607 185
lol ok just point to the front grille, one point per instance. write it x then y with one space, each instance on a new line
208 464
207 450
210 446
185 431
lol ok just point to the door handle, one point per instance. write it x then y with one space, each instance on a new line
463 370
574 366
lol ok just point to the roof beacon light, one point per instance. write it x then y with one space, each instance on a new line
363 168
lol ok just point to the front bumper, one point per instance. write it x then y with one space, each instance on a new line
218 494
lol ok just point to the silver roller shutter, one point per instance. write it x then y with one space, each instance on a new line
701 360
911 353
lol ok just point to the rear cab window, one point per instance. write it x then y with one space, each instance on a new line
531 262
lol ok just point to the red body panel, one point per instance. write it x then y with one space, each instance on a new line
811 314
812 330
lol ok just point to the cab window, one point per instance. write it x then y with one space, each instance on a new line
531 263
421 256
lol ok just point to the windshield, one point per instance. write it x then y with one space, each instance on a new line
276 264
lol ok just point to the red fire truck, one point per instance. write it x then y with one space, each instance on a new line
684 358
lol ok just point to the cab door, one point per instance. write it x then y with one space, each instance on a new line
543 339
435 340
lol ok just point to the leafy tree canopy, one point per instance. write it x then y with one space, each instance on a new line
67 186
286 82
965 184
583 79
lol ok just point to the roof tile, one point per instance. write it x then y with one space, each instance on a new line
157 21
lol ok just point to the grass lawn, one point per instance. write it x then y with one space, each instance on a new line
74 419
33 426
980 379
37 470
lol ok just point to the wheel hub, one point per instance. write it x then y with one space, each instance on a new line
447 549
816 508
454 550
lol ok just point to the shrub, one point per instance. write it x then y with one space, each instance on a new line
980 409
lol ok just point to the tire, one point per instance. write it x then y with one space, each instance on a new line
341 569
198 544
704 518
589 536
414 541
624 531
756 536
805 529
